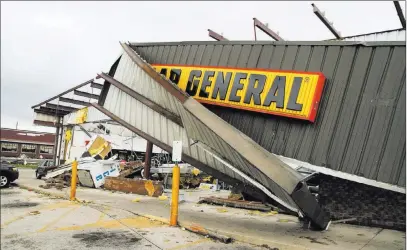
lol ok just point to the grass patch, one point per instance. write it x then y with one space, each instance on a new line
29 166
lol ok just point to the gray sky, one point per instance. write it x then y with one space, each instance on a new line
48 47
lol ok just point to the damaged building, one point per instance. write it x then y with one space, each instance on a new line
270 117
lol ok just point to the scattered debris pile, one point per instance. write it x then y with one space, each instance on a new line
59 182
130 168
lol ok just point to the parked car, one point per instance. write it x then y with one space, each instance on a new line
43 168
8 174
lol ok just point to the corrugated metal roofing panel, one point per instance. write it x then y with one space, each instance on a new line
359 115
393 35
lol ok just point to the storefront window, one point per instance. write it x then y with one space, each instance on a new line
46 149
9 147
28 148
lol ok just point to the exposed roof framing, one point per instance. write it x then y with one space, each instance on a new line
96 85
85 94
63 93
55 106
266 30
60 107
328 24
216 36
51 112
73 101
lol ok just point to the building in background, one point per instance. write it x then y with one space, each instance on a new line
33 144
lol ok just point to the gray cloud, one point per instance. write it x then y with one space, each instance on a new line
47 47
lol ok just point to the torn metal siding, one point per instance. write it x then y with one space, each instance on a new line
160 127
360 125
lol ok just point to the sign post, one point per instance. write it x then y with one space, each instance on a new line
176 157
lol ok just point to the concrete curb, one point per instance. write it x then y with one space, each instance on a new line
223 236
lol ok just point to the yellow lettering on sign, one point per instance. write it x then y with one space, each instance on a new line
285 93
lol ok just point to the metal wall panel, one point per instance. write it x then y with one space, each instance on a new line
360 125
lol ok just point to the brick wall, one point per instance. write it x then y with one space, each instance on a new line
371 206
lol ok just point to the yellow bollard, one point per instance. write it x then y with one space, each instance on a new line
175 195
73 180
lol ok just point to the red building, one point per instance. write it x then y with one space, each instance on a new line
33 144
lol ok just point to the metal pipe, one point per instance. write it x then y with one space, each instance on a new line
175 195
73 180
400 13
147 161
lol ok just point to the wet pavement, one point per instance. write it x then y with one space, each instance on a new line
34 221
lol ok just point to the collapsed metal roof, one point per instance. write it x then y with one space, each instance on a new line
145 102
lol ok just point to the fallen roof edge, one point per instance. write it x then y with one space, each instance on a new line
281 43
346 176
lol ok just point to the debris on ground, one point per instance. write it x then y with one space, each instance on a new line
34 213
221 210
130 168
162 197
252 205
135 186
59 182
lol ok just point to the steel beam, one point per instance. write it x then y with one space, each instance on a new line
85 94
46 123
77 102
42 111
266 30
328 24
216 36
63 93
60 107
147 161
54 111
96 85
54 158
400 13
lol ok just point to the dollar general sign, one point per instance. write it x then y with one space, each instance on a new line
284 93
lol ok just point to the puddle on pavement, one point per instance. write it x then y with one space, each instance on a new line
103 239
20 205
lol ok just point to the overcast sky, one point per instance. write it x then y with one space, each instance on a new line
48 47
